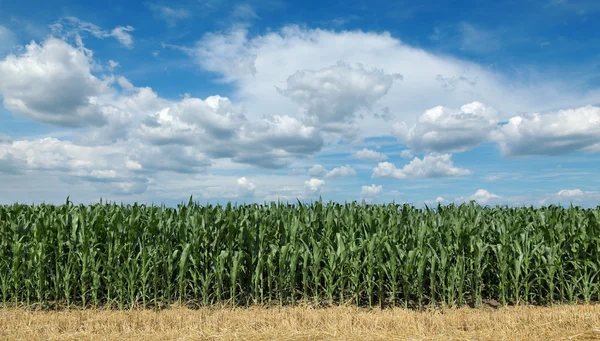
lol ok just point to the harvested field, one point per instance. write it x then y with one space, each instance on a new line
581 322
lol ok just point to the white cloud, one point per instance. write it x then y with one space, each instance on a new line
369 155
260 64
245 188
122 35
370 191
132 141
106 166
314 185
554 133
577 196
569 193
406 154
444 130
431 166
74 27
112 64
319 171
52 83
438 200
336 93
341 172
482 196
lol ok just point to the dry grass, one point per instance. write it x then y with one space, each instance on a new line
515 323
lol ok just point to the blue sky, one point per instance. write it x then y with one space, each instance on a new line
418 101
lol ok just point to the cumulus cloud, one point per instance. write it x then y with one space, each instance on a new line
132 127
255 63
53 83
107 167
406 154
341 171
314 185
370 191
319 171
482 196
369 155
245 188
553 133
431 166
291 92
441 129
336 93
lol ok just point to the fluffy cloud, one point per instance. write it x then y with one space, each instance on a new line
52 83
482 196
554 133
108 167
319 171
431 166
336 94
444 130
132 132
369 155
370 191
575 196
256 63
132 140
406 154
341 171
314 185
245 188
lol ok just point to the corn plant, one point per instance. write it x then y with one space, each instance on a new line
278 253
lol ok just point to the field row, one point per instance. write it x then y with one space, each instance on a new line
318 254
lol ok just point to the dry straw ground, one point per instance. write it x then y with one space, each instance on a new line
515 323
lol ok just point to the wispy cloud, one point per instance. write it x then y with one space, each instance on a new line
74 27
244 12
7 40
478 40
169 14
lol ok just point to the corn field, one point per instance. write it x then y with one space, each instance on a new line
281 254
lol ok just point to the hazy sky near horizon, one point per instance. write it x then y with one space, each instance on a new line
253 101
